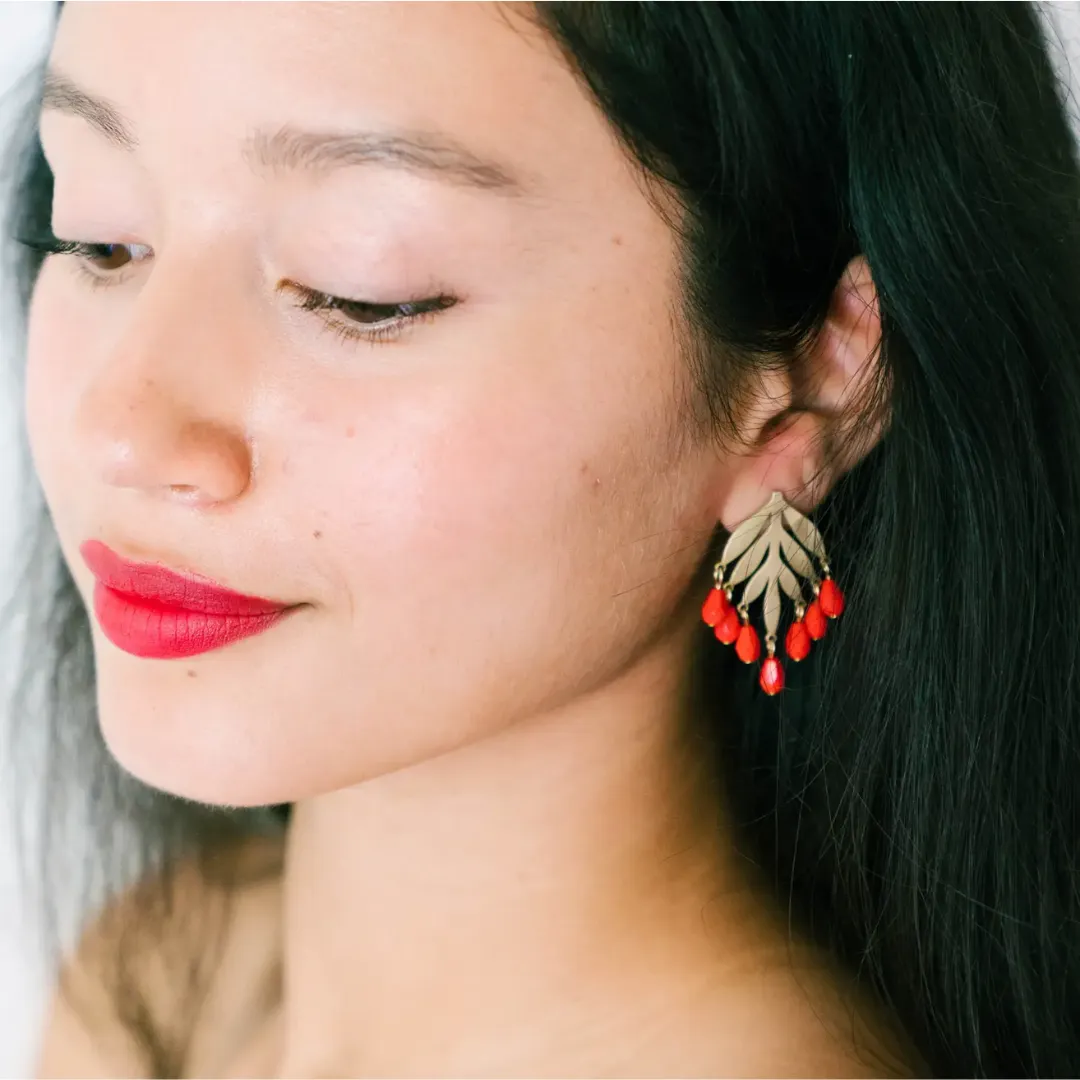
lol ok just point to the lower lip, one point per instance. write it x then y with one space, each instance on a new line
145 628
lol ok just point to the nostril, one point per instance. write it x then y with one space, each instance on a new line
186 493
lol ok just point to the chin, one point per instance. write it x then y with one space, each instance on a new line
192 755
227 761
190 777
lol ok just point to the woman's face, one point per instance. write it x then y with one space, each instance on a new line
485 514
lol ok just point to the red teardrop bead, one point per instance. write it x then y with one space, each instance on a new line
748 647
815 621
797 641
727 629
771 678
831 598
716 603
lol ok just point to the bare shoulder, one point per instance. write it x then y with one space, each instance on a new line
97 1026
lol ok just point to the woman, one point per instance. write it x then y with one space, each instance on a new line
396 647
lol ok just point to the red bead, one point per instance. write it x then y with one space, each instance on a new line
815 621
831 598
797 642
727 629
748 647
716 603
771 678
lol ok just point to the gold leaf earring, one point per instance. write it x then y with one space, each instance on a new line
773 550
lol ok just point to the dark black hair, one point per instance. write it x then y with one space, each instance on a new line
912 796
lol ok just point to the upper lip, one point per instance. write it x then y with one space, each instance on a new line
168 588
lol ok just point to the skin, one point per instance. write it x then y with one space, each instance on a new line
508 855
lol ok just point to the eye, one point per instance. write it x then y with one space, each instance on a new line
98 261
106 257
365 320
102 265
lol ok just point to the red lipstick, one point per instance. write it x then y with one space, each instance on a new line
151 611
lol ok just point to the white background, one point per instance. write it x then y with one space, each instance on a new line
24 33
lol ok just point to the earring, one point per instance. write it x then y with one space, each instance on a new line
769 549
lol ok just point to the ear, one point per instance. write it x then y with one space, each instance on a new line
797 433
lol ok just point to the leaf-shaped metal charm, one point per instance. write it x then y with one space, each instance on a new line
770 559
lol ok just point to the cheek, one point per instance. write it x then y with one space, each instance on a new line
470 497
414 490
417 472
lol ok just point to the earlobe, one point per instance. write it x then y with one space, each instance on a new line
791 460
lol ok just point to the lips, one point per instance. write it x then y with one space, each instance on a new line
151 611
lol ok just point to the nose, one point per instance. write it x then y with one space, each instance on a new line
163 413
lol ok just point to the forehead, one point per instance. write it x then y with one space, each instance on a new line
203 76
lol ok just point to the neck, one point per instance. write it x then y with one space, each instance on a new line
536 892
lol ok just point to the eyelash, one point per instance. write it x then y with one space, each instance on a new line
322 304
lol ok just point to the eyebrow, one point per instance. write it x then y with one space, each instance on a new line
288 149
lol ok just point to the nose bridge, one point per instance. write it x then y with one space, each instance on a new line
165 409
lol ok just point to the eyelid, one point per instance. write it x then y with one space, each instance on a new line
314 299
324 304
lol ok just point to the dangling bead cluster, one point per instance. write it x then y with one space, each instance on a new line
768 559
